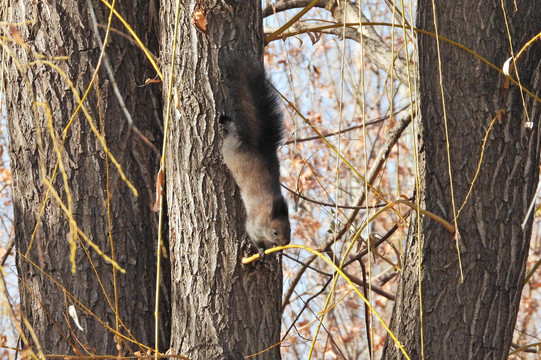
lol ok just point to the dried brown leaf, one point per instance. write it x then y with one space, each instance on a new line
159 190
200 21
17 36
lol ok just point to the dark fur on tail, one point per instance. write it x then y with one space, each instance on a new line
254 105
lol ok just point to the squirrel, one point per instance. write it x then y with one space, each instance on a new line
253 127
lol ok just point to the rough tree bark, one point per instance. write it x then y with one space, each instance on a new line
64 28
474 319
221 309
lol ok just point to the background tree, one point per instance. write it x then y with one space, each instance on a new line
473 318
54 141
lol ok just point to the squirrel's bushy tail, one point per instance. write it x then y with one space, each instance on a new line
252 104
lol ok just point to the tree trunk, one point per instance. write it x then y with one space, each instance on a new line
221 309
65 28
474 319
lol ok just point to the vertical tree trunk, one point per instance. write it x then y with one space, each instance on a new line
64 28
474 319
221 309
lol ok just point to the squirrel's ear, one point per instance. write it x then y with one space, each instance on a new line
224 119
279 208
227 124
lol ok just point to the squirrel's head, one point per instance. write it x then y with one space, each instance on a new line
269 230
279 225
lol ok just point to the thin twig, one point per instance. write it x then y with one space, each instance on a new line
8 251
305 306
377 243
343 131
333 205
366 311
431 215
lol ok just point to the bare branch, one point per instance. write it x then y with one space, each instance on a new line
343 11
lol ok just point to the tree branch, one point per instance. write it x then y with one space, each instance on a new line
343 11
